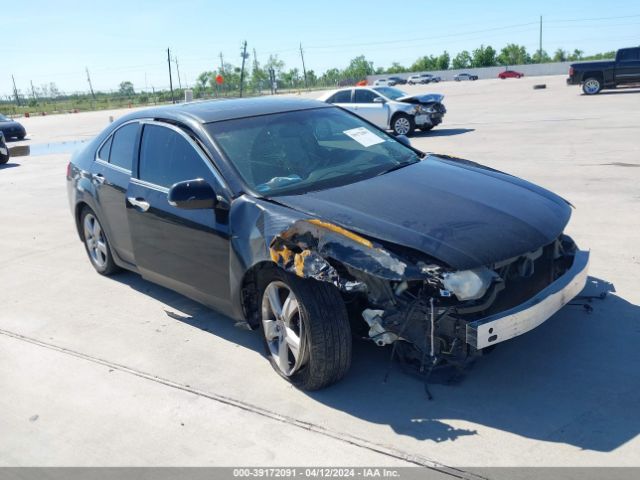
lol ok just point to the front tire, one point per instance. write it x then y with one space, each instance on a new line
402 124
592 86
305 330
96 243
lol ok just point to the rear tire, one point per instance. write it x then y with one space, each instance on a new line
308 342
402 124
592 86
96 243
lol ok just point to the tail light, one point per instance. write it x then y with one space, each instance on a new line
571 71
69 170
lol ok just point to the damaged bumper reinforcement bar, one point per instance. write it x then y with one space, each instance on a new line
528 315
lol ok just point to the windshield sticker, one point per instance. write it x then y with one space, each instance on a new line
364 137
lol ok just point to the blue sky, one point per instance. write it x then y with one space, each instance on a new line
45 41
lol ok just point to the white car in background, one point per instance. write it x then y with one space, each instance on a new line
389 108
384 82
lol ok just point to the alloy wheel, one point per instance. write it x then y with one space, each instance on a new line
95 240
592 86
283 328
402 126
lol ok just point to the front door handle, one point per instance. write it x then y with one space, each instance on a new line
139 202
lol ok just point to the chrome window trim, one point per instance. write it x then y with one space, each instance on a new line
99 161
152 186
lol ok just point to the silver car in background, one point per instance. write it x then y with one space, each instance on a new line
389 108
422 79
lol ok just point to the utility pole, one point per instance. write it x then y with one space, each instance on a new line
90 86
178 70
221 87
15 90
33 91
304 70
170 80
244 57
540 49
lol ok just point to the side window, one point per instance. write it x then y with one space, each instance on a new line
103 153
167 158
341 97
123 146
365 96
628 55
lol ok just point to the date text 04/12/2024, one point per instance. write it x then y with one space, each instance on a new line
318 472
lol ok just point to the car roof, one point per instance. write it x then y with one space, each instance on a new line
228 109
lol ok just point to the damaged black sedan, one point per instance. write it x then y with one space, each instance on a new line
312 225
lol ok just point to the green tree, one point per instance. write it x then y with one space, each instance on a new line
484 57
601 56
540 57
513 54
126 88
203 80
396 68
359 67
576 55
560 55
462 60
331 77
274 63
291 78
443 61
425 63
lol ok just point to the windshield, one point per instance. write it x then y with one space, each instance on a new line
390 92
297 152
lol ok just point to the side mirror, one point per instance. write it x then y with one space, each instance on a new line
379 100
403 139
192 195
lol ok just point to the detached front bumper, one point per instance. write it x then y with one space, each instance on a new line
528 315
428 119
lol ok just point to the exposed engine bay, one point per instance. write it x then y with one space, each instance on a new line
428 312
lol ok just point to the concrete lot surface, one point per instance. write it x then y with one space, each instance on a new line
118 371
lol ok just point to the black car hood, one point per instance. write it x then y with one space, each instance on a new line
458 212
423 98
10 126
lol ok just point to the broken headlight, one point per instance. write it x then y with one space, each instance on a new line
468 284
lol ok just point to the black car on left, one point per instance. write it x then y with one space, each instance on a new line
11 128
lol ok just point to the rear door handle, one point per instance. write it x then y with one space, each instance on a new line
139 202
98 177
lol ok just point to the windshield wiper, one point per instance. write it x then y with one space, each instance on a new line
397 167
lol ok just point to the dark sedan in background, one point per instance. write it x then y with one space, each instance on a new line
4 150
11 129
309 223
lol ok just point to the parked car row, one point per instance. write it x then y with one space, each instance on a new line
425 78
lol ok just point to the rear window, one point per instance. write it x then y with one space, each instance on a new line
103 153
629 55
123 146
341 97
